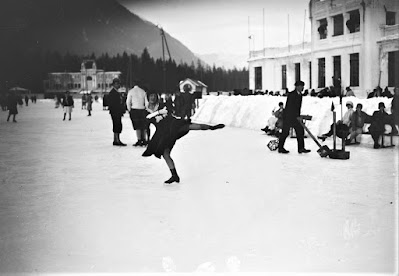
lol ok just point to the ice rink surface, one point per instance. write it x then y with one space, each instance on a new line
71 202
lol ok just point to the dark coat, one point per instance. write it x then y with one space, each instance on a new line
67 101
395 108
358 120
292 108
115 105
12 102
378 121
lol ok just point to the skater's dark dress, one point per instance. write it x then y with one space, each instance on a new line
168 130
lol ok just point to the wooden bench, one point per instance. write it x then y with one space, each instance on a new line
366 126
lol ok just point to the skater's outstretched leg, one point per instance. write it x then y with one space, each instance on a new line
194 126
171 166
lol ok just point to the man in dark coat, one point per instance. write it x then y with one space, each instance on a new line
291 112
116 109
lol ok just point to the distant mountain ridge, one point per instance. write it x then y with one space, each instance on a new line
228 61
82 27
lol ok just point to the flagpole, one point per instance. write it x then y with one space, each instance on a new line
263 31
288 20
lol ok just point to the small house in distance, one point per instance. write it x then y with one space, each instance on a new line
194 87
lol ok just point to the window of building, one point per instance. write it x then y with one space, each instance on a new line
338 25
322 72
322 28
353 22
310 74
354 69
284 76
79 85
297 71
258 78
337 66
393 68
390 18
98 85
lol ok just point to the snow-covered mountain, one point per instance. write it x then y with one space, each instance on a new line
226 60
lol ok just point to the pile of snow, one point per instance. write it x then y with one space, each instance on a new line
252 112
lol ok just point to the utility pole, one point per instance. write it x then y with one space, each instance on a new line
164 44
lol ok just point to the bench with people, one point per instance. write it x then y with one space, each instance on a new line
357 122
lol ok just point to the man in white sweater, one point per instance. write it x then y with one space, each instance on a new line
136 102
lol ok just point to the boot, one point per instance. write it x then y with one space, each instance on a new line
217 126
174 178
138 143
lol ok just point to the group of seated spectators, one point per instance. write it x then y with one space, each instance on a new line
377 92
352 124
327 92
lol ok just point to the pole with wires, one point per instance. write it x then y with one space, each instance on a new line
164 45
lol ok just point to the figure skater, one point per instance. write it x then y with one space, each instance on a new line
168 130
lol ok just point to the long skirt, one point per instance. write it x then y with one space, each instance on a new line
168 130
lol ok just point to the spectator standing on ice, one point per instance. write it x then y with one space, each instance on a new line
188 102
67 104
26 100
168 130
291 112
105 102
395 107
12 102
136 103
84 98
89 101
179 105
116 109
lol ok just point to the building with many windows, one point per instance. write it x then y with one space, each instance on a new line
354 40
88 79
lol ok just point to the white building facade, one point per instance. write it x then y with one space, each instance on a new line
88 79
354 40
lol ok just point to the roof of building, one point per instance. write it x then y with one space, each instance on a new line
196 82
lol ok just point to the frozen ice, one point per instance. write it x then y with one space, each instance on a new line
73 203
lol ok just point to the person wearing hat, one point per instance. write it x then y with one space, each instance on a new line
291 112
377 126
358 119
116 109
342 126
67 104
349 92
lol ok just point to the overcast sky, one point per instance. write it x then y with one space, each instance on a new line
217 26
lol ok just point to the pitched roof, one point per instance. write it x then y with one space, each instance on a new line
196 82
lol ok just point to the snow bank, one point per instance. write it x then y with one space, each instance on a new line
252 112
